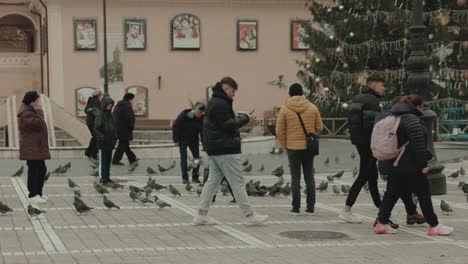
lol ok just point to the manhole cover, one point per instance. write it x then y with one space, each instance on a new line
311 235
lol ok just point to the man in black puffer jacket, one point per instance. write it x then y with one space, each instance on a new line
362 112
125 123
411 173
92 106
186 132
222 142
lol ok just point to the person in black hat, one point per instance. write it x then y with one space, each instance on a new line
34 144
297 115
186 132
125 123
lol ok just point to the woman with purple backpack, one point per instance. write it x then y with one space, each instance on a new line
410 175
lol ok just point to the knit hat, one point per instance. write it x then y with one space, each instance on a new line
30 97
129 96
295 89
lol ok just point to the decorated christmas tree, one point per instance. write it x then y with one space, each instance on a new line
350 40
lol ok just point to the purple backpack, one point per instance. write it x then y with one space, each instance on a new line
384 140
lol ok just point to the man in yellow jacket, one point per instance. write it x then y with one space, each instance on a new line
291 136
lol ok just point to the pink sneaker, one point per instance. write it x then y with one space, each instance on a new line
440 230
384 229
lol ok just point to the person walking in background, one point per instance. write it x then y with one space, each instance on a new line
92 106
410 174
106 137
362 112
186 132
124 123
222 142
34 144
291 136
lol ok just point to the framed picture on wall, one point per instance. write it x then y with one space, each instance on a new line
185 32
247 31
140 103
85 33
299 34
135 34
81 99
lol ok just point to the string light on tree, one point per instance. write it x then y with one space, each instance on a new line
345 106
351 34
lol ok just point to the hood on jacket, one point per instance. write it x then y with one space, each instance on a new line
106 100
122 102
368 90
219 92
25 108
405 109
298 104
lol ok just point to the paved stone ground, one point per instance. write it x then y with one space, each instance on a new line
145 234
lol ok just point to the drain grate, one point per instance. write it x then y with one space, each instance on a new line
312 235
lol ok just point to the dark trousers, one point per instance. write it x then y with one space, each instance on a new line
367 173
92 149
401 183
205 178
124 147
298 159
105 164
194 148
36 175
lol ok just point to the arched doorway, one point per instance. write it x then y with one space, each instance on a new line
17 34
20 58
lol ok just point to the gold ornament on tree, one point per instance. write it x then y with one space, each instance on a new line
443 19
362 78
465 44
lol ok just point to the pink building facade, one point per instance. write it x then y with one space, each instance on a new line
61 57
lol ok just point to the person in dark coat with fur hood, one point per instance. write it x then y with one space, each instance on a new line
34 144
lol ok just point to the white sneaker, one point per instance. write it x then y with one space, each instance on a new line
256 219
440 230
349 217
44 197
37 200
201 220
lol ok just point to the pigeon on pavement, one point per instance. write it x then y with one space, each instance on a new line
4 208
19 172
151 171
80 206
445 207
278 172
323 186
108 203
174 190
33 211
72 184
454 175
336 190
248 168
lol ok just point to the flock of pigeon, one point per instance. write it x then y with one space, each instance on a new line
145 194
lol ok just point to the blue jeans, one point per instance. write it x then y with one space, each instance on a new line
194 148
